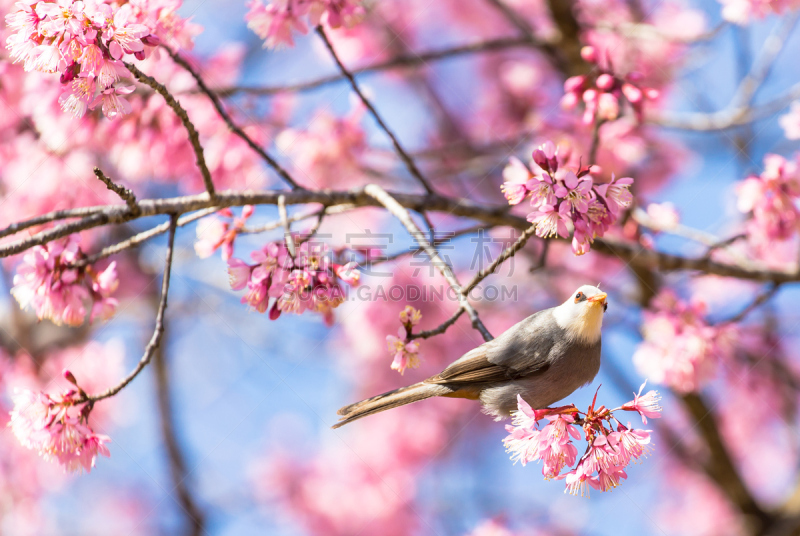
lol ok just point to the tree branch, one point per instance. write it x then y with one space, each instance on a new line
158 332
194 137
407 60
509 252
177 463
400 212
229 121
404 156
497 215
124 193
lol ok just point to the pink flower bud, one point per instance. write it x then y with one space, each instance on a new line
569 101
607 106
632 93
69 377
605 81
589 54
652 94
590 95
574 83
248 211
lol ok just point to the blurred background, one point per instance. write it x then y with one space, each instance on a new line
228 431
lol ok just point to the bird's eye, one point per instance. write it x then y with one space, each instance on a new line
578 297
605 307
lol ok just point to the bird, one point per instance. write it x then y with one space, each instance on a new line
544 359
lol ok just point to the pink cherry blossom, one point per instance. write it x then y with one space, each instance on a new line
56 430
790 122
47 282
646 406
551 221
516 175
405 353
575 191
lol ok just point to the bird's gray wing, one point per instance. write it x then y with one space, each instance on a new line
519 352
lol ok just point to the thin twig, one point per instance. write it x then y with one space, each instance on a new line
287 229
81 212
409 162
215 100
407 60
438 330
177 463
402 214
194 137
124 193
756 303
507 253
158 332
328 210
595 141
137 239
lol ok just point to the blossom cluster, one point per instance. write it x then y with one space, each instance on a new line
680 348
602 92
405 352
57 427
307 280
84 42
214 233
562 196
48 281
608 451
771 198
274 22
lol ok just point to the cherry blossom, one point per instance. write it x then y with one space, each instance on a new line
309 281
275 22
214 233
47 282
56 429
680 348
561 197
608 452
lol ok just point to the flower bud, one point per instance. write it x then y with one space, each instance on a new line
605 81
69 377
589 54
632 93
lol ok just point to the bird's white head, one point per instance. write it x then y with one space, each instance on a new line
582 314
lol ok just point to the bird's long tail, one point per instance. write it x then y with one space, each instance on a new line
389 400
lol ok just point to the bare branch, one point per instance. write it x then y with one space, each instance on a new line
401 213
409 162
177 462
229 121
194 137
287 230
439 330
124 193
407 60
630 252
155 340
755 304
509 252
137 239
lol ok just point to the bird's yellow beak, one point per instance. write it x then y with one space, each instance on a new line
598 298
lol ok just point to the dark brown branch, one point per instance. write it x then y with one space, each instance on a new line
439 330
177 464
720 467
215 100
630 252
137 239
755 304
401 213
81 212
194 137
507 253
158 332
404 156
407 60
124 193
550 50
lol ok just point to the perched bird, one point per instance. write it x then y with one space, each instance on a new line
544 358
